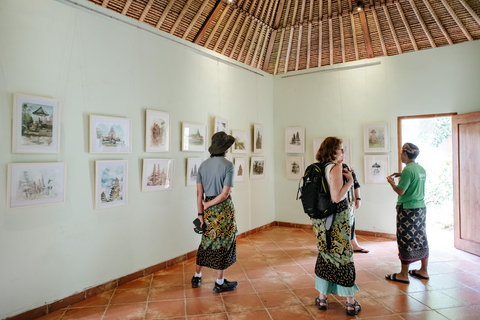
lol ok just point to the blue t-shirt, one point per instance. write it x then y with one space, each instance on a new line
214 173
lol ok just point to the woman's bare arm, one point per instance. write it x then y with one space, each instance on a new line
337 189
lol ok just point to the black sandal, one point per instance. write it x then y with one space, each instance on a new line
356 308
318 302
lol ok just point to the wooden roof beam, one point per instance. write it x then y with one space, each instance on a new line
127 6
256 36
180 16
469 9
309 36
257 46
299 42
194 20
278 16
392 29
424 26
457 20
289 48
165 13
239 36
310 12
320 35
407 26
105 3
268 54
232 32
279 51
295 8
273 15
287 12
225 29
366 33
330 38
382 42
145 11
342 38
207 23
439 24
247 36
302 11
265 42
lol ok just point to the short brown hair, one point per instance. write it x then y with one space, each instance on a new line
328 150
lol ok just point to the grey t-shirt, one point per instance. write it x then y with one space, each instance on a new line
214 173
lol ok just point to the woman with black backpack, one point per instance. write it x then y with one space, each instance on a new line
335 269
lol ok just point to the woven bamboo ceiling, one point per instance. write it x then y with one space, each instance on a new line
280 36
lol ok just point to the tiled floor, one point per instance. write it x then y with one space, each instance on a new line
274 269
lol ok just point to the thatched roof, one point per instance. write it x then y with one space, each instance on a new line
279 36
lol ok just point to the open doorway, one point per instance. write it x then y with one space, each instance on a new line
433 135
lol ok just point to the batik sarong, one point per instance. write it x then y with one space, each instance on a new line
411 234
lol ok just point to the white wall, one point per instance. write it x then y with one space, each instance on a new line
339 103
97 65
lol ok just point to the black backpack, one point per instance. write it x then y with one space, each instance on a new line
315 193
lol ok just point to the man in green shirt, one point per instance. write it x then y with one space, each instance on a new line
411 216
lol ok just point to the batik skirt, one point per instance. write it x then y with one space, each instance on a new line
335 254
411 234
218 247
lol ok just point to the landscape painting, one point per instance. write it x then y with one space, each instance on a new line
35 184
157 135
35 125
194 137
192 171
110 135
110 183
241 139
257 168
157 174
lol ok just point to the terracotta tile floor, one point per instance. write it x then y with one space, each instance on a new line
275 268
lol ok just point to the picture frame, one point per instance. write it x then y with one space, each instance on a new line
111 186
240 165
157 174
295 168
257 138
295 140
241 141
257 168
36 124
376 137
157 131
35 184
347 147
220 125
110 134
377 168
192 171
194 137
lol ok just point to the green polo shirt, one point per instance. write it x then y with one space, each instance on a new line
412 180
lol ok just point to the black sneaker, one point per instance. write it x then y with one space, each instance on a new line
226 286
196 282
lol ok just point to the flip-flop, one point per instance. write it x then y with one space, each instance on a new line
393 277
361 250
414 273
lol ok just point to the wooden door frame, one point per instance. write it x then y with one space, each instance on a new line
399 130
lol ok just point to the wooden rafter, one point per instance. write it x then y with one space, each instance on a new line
339 7
259 7
457 20
239 36
273 15
252 7
247 36
295 8
257 46
180 16
310 12
302 11
105 3
126 7
287 58
232 31
380 35
439 24
255 38
299 42
309 37
392 29
320 10
194 20
320 43
145 11
329 10
287 8
407 26
342 38
224 29
366 33
330 39
355 45
212 17
265 42
279 51
165 13
470 10
424 26
268 54
266 11
278 14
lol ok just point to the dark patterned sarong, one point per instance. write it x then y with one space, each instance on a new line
218 247
335 262
411 234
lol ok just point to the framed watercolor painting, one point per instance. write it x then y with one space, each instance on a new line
157 131
194 137
257 168
295 168
110 134
35 184
376 137
36 125
295 140
377 169
257 138
220 125
110 183
192 171
157 174
241 141
240 164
